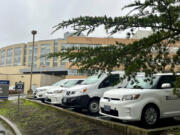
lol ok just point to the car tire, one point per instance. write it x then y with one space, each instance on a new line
43 100
150 115
93 106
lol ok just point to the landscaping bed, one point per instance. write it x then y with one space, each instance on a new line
36 119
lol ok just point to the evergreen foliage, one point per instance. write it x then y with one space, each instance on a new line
149 55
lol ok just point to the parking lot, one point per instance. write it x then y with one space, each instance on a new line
163 123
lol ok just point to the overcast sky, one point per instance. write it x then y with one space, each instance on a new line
19 17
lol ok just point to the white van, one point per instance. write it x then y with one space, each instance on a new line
55 95
143 101
40 92
89 92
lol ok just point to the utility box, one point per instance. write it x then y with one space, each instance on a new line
4 89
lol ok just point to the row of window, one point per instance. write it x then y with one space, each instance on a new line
66 46
45 49
17 56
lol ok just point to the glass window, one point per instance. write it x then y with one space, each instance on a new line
60 83
166 79
35 55
111 80
45 49
2 57
17 56
55 59
92 79
25 54
9 57
72 72
142 83
71 83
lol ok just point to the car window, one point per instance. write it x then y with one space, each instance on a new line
142 83
60 83
71 83
166 79
79 81
111 80
93 79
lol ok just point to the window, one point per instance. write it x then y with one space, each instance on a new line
140 82
72 72
45 49
9 57
55 59
111 80
35 55
25 54
92 79
166 79
71 83
2 57
17 56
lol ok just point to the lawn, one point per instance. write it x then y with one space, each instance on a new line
36 119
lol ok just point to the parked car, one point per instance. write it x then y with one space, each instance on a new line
40 92
12 90
143 101
55 95
88 94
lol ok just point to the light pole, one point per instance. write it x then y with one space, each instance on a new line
34 32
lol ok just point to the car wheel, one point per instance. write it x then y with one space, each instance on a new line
43 100
150 115
93 106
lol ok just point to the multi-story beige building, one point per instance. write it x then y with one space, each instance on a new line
15 60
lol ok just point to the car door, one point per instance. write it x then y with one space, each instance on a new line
170 103
110 82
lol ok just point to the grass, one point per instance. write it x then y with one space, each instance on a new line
35 119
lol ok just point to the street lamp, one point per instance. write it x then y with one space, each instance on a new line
34 32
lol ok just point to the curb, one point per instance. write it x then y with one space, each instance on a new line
122 128
12 126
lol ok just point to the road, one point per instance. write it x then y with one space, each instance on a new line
14 97
4 131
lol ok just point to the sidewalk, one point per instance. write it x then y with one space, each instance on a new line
2 130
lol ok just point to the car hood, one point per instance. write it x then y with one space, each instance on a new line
56 88
46 87
118 93
79 87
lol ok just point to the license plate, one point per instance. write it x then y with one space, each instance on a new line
64 99
107 108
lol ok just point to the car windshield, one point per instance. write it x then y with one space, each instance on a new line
93 79
142 83
60 83
71 83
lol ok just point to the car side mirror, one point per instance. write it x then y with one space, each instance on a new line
166 85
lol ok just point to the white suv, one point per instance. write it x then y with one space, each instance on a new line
143 101
88 93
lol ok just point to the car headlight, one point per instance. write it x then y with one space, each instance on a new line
76 92
130 97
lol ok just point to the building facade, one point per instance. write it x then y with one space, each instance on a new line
15 60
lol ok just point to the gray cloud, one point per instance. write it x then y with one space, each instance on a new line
19 17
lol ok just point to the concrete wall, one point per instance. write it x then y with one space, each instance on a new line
50 79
